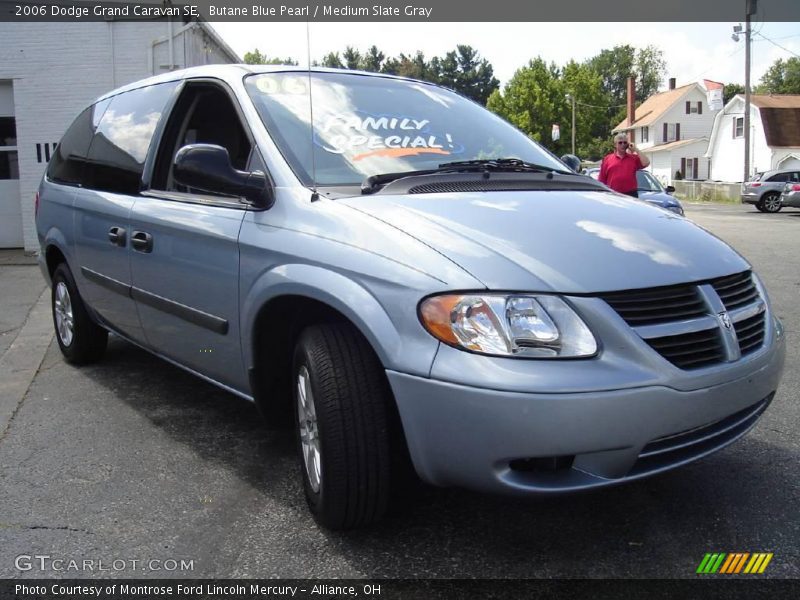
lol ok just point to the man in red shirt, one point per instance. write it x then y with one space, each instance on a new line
618 169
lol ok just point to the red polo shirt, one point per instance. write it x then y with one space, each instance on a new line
620 173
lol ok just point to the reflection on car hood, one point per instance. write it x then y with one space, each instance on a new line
571 242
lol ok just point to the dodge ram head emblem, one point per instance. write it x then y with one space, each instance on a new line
725 319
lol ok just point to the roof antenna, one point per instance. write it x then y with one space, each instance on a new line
314 193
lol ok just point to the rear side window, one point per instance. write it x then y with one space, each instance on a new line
123 137
70 157
779 177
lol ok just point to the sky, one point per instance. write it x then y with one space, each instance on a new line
692 51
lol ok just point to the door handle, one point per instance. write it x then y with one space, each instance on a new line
116 235
142 241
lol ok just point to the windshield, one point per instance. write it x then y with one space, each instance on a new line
647 183
367 126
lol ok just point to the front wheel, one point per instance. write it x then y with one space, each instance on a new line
771 202
342 402
81 340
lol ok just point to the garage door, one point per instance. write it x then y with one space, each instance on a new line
10 209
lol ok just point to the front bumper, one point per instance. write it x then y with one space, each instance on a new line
536 443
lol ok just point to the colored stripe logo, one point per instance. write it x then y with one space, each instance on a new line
734 563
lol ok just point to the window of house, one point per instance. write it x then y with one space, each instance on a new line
738 127
645 134
690 174
672 132
9 168
694 107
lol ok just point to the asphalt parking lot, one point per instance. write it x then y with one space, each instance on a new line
133 459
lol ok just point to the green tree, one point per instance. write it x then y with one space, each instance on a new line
783 77
533 100
256 58
373 60
591 121
332 60
352 58
467 73
730 90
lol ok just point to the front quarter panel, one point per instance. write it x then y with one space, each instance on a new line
371 273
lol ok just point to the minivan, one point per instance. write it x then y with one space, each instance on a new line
405 277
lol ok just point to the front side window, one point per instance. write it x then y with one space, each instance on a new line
366 125
123 137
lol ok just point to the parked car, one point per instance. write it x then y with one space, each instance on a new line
764 190
791 195
407 277
651 190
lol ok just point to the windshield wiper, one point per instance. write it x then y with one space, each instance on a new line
512 165
502 164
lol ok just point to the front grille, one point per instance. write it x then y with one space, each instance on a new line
657 305
675 320
684 446
736 290
690 350
750 333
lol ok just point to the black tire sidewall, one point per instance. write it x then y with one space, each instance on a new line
88 338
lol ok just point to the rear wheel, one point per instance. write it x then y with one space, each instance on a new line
81 340
760 206
771 202
342 407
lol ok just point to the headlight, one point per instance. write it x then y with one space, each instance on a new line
532 326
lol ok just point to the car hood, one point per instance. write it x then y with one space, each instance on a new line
661 198
562 241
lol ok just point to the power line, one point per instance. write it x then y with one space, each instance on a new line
778 45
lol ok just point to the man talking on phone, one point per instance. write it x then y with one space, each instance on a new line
618 169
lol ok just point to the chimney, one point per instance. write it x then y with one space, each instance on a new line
631 100
672 83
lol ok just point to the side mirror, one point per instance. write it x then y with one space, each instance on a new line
208 167
669 189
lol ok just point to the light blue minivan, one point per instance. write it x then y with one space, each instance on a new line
407 278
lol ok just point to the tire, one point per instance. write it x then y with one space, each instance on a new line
81 340
760 206
342 406
771 202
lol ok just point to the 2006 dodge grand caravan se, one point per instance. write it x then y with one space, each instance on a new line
406 274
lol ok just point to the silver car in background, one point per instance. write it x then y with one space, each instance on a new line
407 278
765 189
791 195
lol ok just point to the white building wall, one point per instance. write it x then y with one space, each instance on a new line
693 125
727 152
57 70
661 167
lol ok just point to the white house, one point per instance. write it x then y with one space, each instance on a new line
774 136
50 71
672 128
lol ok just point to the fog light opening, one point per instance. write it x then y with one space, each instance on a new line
542 464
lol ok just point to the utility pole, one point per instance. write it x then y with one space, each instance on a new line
750 9
572 98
